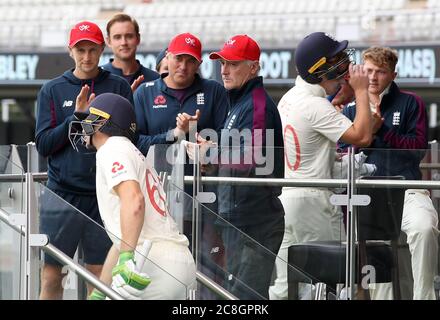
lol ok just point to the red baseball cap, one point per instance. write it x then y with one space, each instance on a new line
85 30
240 47
186 43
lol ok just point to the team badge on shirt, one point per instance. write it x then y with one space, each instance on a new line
160 102
200 98
396 118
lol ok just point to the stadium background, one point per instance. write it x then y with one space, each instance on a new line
33 41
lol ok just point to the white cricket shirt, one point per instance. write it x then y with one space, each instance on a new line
119 160
311 128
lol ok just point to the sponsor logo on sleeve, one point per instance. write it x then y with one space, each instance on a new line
117 169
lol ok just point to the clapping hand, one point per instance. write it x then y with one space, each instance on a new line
82 102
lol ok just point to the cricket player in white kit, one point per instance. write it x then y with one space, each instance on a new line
132 206
311 127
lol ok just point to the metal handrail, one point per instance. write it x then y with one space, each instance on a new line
89 277
206 281
323 183
332 183
55 252
42 176
320 183
430 166
18 177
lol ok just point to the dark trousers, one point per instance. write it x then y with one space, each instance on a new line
250 257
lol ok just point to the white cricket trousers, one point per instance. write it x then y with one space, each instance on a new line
172 271
420 223
309 216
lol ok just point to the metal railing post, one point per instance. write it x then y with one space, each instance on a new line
33 240
351 241
196 205
434 172
32 158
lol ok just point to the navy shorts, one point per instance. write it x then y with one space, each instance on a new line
66 227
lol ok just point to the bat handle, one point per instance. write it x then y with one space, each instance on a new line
142 255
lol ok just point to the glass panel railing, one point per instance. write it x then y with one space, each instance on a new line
207 243
256 208
11 242
407 217
171 163
308 255
11 190
11 272
65 225
234 259
22 155
5 157
26 156
363 167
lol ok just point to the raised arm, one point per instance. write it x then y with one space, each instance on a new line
360 133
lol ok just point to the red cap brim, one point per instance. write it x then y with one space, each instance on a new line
225 56
71 45
192 54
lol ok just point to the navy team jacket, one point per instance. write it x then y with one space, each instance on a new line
68 170
149 75
405 127
156 109
251 109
